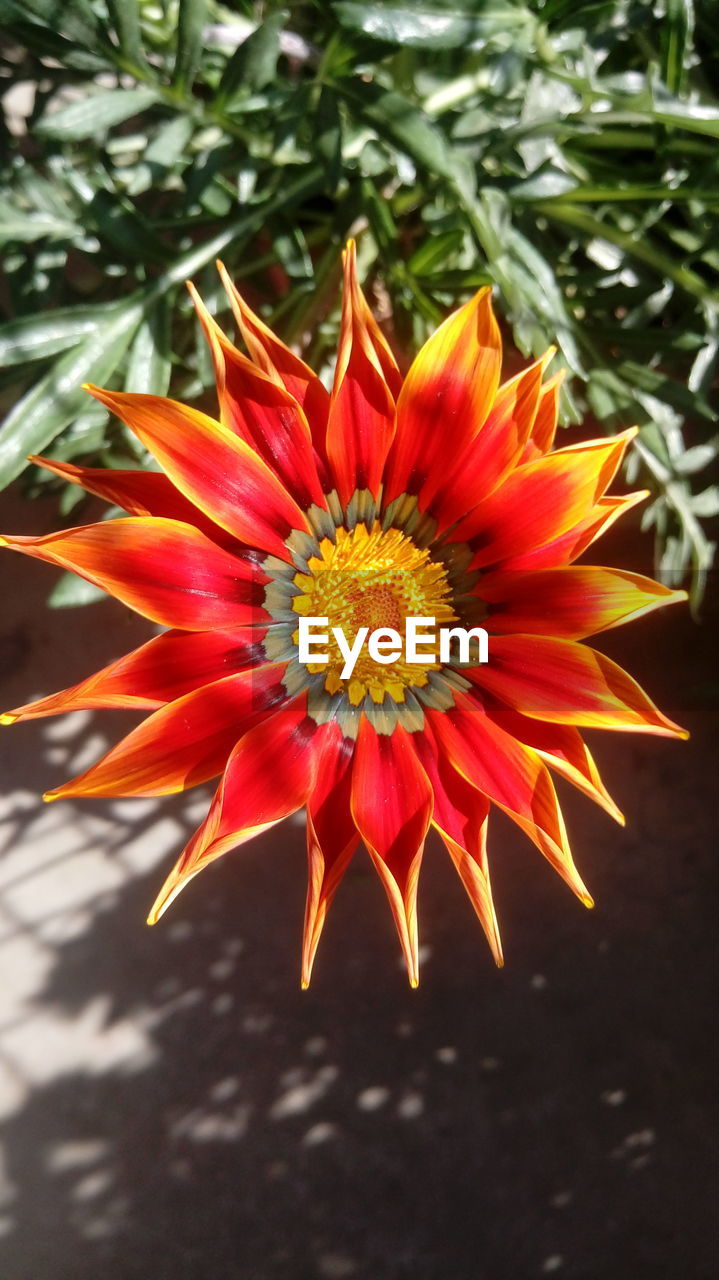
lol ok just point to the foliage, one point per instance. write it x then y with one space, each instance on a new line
565 150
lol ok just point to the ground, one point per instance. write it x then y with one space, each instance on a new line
174 1105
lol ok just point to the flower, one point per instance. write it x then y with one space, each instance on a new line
437 494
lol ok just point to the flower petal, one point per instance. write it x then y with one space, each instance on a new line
445 399
541 500
544 427
568 683
276 359
392 808
563 749
185 742
570 545
569 603
361 418
141 493
331 841
219 473
160 671
263 414
460 816
167 571
512 776
248 799
495 449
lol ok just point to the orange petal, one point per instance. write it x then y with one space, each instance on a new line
460 816
185 742
141 493
361 418
563 749
274 358
544 427
165 668
446 398
167 571
541 500
512 776
331 841
248 799
219 473
569 603
261 412
392 808
568 683
495 450
570 545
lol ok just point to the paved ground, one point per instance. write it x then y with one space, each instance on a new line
173 1105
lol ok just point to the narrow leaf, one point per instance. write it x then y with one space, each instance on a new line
92 116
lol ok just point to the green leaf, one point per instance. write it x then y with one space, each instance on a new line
676 32
21 226
395 118
58 397
39 336
92 116
190 22
254 62
125 15
150 365
423 28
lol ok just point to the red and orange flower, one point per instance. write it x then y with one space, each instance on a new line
438 494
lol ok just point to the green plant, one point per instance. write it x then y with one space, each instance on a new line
566 152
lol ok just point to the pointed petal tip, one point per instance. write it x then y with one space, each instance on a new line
414 981
587 901
304 984
49 796
8 718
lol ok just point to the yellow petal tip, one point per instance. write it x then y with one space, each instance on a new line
304 984
414 983
586 901
7 718
49 796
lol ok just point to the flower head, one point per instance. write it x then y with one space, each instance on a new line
433 496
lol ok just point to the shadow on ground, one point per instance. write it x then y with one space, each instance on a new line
558 1117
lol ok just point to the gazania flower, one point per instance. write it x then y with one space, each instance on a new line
436 495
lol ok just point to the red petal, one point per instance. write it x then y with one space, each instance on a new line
544 428
165 570
160 671
562 748
275 359
460 817
392 808
361 418
263 414
185 742
219 473
541 500
512 776
574 542
569 603
331 841
252 795
142 493
445 399
495 450
568 683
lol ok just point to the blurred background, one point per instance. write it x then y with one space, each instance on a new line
171 1103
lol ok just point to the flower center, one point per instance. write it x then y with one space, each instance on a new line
376 579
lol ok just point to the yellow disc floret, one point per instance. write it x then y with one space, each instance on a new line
372 578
